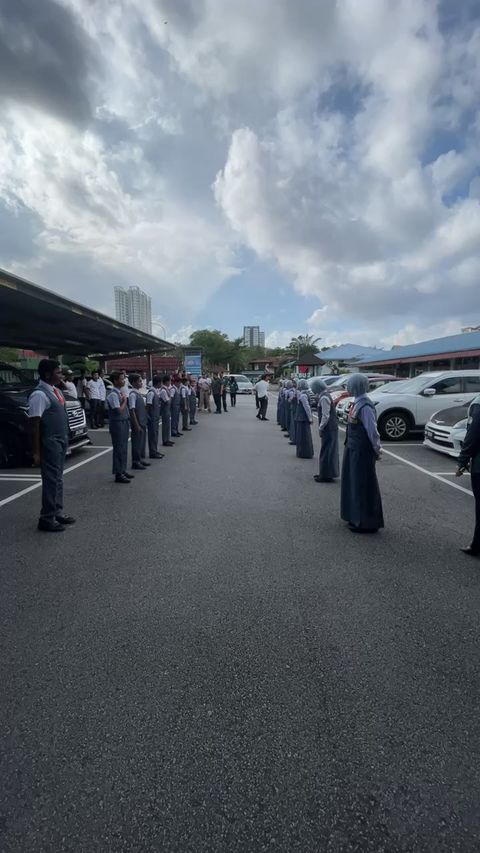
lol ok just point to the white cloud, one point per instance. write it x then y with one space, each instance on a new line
338 141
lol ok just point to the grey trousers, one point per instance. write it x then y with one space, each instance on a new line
52 462
153 424
166 425
119 431
139 445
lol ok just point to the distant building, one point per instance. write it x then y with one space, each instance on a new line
134 308
253 337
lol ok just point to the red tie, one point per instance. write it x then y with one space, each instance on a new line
58 395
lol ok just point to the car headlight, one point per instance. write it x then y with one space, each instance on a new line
461 424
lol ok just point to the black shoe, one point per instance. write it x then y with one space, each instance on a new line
50 526
168 443
187 429
264 419
292 443
145 463
258 416
65 519
193 422
122 478
157 455
319 479
138 467
470 551
128 476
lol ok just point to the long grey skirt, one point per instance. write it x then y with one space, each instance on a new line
304 440
329 466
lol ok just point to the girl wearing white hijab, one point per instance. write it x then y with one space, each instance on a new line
361 503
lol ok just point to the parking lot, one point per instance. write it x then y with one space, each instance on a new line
208 660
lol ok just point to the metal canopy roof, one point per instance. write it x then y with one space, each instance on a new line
32 317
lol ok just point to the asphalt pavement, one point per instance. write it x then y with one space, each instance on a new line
210 661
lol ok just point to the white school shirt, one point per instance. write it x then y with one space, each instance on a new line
103 390
93 386
262 388
39 402
70 387
150 395
165 393
113 399
325 405
305 403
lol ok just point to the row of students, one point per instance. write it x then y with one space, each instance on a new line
361 504
168 401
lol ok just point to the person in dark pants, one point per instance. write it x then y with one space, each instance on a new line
184 406
233 386
225 384
165 411
101 402
153 418
361 503
329 468
138 421
469 459
175 410
119 426
94 386
217 393
192 401
49 433
261 390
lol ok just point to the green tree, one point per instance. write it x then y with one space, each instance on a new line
217 348
303 345
9 354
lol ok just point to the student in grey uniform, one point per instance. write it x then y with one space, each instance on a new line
469 460
303 422
153 418
49 432
165 411
184 405
361 503
329 467
279 402
192 401
285 411
291 409
138 421
119 426
175 411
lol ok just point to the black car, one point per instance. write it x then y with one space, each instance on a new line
15 389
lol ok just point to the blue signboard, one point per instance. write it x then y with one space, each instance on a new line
193 364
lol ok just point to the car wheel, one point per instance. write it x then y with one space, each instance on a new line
394 426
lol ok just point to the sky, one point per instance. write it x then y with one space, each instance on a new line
309 167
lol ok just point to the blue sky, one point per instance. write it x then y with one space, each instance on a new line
307 168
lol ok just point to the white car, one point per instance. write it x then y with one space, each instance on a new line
446 430
410 408
344 405
244 384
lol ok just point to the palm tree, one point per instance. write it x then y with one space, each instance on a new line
303 345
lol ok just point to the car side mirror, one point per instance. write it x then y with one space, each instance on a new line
429 392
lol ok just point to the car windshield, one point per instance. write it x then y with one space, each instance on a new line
242 379
414 386
11 377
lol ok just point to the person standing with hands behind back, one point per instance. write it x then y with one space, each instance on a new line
49 433
119 426
138 418
469 460
233 386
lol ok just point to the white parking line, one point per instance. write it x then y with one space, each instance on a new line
67 470
13 479
438 477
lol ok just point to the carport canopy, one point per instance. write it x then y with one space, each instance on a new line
32 317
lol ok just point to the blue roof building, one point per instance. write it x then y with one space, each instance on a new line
347 353
450 353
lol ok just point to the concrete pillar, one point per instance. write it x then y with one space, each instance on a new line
150 366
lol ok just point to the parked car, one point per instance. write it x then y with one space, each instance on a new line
329 380
343 406
15 389
244 384
338 389
409 408
446 430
